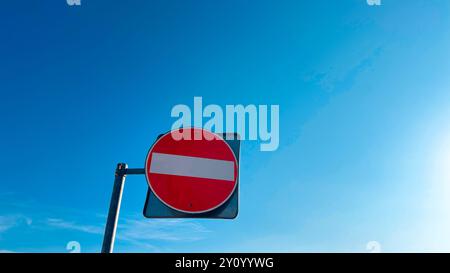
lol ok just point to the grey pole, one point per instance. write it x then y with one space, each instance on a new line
114 208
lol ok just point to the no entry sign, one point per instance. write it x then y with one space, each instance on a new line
192 175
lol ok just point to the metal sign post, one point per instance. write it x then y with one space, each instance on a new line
114 207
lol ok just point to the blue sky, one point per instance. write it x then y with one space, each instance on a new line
364 99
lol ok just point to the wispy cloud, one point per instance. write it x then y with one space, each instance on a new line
134 232
9 221
343 77
162 230
62 224
6 251
141 233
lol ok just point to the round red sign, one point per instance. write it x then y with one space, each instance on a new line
192 174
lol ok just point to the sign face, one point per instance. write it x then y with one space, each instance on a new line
192 175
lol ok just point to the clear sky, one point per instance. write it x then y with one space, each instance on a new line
364 95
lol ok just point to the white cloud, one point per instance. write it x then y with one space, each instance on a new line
9 221
142 233
6 251
161 229
59 223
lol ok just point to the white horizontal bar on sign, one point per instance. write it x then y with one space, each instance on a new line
171 164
